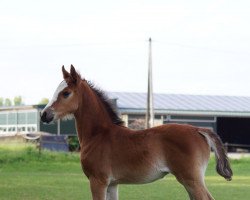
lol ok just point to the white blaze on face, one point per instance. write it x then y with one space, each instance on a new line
60 88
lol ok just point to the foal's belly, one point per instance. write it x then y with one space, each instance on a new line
153 177
141 177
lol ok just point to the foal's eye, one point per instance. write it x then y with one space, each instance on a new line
66 94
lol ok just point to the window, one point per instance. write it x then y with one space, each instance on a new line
3 129
3 119
18 121
12 118
21 129
12 129
21 118
200 121
191 118
31 118
158 117
31 129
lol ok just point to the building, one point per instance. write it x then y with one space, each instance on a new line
19 119
26 119
229 116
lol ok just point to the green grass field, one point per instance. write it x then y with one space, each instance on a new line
27 175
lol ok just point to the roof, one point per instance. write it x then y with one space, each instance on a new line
180 103
132 102
21 107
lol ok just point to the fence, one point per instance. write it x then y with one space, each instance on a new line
51 142
239 148
59 143
71 143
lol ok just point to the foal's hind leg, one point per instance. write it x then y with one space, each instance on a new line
197 190
194 184
193 181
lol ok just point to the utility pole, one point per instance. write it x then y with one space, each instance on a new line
150 105
58 127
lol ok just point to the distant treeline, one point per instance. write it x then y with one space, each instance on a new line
18 101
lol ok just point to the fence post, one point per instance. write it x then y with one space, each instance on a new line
226 146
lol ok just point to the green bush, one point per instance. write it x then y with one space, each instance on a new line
73 143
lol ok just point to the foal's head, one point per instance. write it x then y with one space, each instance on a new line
65 100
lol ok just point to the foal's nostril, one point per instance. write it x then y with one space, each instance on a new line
43 117
47 116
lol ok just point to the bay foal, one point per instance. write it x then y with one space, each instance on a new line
112 154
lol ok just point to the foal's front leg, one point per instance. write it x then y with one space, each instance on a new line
112 192
98 189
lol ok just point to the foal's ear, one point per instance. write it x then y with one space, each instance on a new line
66 75
74 75
71 78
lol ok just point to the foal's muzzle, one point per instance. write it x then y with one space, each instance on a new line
47 115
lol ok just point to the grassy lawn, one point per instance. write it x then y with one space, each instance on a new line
27 175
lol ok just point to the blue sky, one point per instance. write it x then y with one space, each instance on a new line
199 47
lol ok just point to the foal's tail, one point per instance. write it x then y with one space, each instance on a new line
222 163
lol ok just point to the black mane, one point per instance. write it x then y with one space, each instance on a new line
110 107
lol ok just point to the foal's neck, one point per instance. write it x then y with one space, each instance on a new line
91 116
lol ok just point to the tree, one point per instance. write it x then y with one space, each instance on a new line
7 102
18 101
1 101
137 124
44 101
